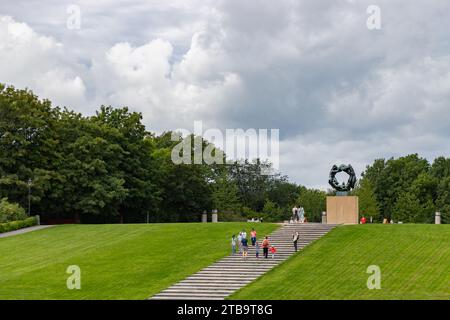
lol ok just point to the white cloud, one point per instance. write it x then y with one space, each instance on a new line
337 91
38 62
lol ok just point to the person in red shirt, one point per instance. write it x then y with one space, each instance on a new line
273 250
363 220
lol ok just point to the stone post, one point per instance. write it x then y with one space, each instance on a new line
324 217
38 220
437 218
204 217
214 216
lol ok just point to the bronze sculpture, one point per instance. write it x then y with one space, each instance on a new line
343 187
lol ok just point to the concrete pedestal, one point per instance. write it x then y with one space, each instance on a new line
324 217
214 217
342 210
204 218
437 218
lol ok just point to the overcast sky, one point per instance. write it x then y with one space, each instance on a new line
337 91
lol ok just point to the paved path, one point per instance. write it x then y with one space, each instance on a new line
24 230
231 273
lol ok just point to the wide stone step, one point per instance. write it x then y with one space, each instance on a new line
207 280
206 285
205 295
220 274
268 260
218 282
245 264
229 271
222 278
181 297
288 237
199 290
237 269
250 261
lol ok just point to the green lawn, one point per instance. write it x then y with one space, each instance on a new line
116 261
414 262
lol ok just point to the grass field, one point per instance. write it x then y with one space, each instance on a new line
414 262
116 261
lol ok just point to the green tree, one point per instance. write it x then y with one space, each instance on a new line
440 170
186 188
409 209
284 194
368 204
314 203
443 199
254 180
225 194
393 177
25 123
272 212
138 167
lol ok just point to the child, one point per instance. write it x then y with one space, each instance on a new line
257 250
273 250
233 245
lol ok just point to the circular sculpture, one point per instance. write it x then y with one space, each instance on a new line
348 169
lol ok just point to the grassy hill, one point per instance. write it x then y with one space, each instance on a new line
414 262
116 261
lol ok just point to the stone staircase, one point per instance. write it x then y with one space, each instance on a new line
231 273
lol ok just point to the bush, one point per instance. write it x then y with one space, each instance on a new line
11 211
16 225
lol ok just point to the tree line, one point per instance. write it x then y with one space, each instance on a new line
107 168
407 189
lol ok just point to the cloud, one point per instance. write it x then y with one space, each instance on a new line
337 91
38 62
169 94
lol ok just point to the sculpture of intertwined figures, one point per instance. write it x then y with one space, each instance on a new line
347 168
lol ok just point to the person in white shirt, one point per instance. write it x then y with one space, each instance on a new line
233 245
239 242
301 213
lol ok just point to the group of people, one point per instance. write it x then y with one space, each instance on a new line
298 215
240 244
